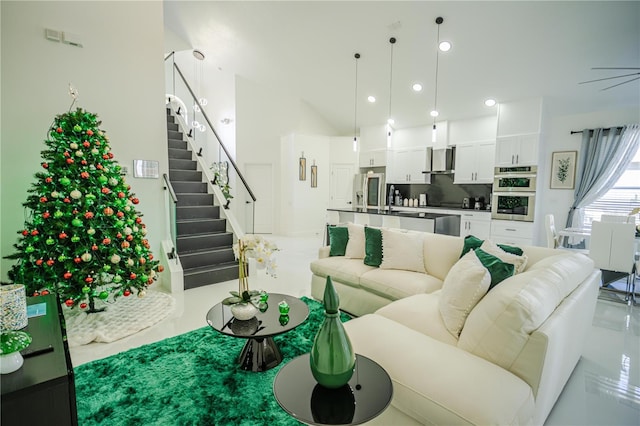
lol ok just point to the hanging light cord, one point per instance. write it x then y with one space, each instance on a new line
355 100
435 99
392 40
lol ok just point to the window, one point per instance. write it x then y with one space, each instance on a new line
622 198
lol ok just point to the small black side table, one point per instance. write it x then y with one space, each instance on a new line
367 394
260 352
42 391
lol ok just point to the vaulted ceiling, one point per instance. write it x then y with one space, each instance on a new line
507 50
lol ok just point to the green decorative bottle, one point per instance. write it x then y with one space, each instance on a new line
332 358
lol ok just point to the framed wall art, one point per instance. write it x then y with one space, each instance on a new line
314 175
563 169
302 168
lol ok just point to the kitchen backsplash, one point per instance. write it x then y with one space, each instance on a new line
442 192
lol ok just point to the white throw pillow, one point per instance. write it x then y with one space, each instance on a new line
466 283
519 262
402 250
355 246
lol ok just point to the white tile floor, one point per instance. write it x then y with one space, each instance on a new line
604 389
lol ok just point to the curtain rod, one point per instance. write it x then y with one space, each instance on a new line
573 132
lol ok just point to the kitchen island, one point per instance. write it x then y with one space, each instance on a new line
444 221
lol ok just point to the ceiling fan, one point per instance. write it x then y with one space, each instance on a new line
617 76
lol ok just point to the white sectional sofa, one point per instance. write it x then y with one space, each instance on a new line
512 353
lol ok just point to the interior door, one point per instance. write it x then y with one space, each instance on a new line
260 179
341 186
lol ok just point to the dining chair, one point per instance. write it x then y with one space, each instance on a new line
617 218
612 248
553 239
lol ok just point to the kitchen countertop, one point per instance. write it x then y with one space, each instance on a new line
417 212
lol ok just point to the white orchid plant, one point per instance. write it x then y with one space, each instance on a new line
251 246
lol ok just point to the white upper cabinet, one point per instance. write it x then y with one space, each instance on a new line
472 130
519 118
373 158
407 165
474 162
519 150
519 127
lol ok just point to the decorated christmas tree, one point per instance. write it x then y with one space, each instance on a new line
83 237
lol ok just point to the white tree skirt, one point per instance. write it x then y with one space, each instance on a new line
123 318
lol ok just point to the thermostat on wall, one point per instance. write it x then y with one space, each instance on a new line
148 169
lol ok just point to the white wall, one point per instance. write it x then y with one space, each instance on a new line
119 75
558 137
263 117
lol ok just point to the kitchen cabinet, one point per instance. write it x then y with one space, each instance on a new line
512 232
373 158
517 150
474 163
407 166
477 223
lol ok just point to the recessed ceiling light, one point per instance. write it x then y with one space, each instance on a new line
444 46
434 113
490 102
371 99
417 87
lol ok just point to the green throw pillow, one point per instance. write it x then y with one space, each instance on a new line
472 242
498 269
372 246
511 249
338 239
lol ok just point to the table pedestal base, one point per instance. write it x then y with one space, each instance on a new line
259 355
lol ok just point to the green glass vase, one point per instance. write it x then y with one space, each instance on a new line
332 358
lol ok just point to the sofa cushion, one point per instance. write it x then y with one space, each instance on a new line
518 261
498 269
437 383
499 326
440 253
338 239
344 270
467 282
402 250
355 246
420 312
396 284
372 246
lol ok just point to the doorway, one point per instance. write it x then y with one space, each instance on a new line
341 196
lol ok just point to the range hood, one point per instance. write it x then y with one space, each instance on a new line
442 160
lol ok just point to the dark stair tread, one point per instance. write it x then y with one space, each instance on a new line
208 268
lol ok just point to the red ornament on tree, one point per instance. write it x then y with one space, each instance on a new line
50 262
89 132
126 293
39 262
88 280
121 194
83 305
105 190
34 232
68 302
46 215
43 199
106 241
88 215
133 276
62 235
45 165
67 275
59 130
48 180
84 175
108 211
94 247
44 292
86 144
125 244
77 259
25 232
70 161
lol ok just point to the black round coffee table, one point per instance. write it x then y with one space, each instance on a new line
260 352
367 394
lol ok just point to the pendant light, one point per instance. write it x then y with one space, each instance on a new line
198 72
390 120
355 107
434 113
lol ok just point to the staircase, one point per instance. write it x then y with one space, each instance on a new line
204 246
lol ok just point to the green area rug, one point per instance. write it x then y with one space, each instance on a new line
190 379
